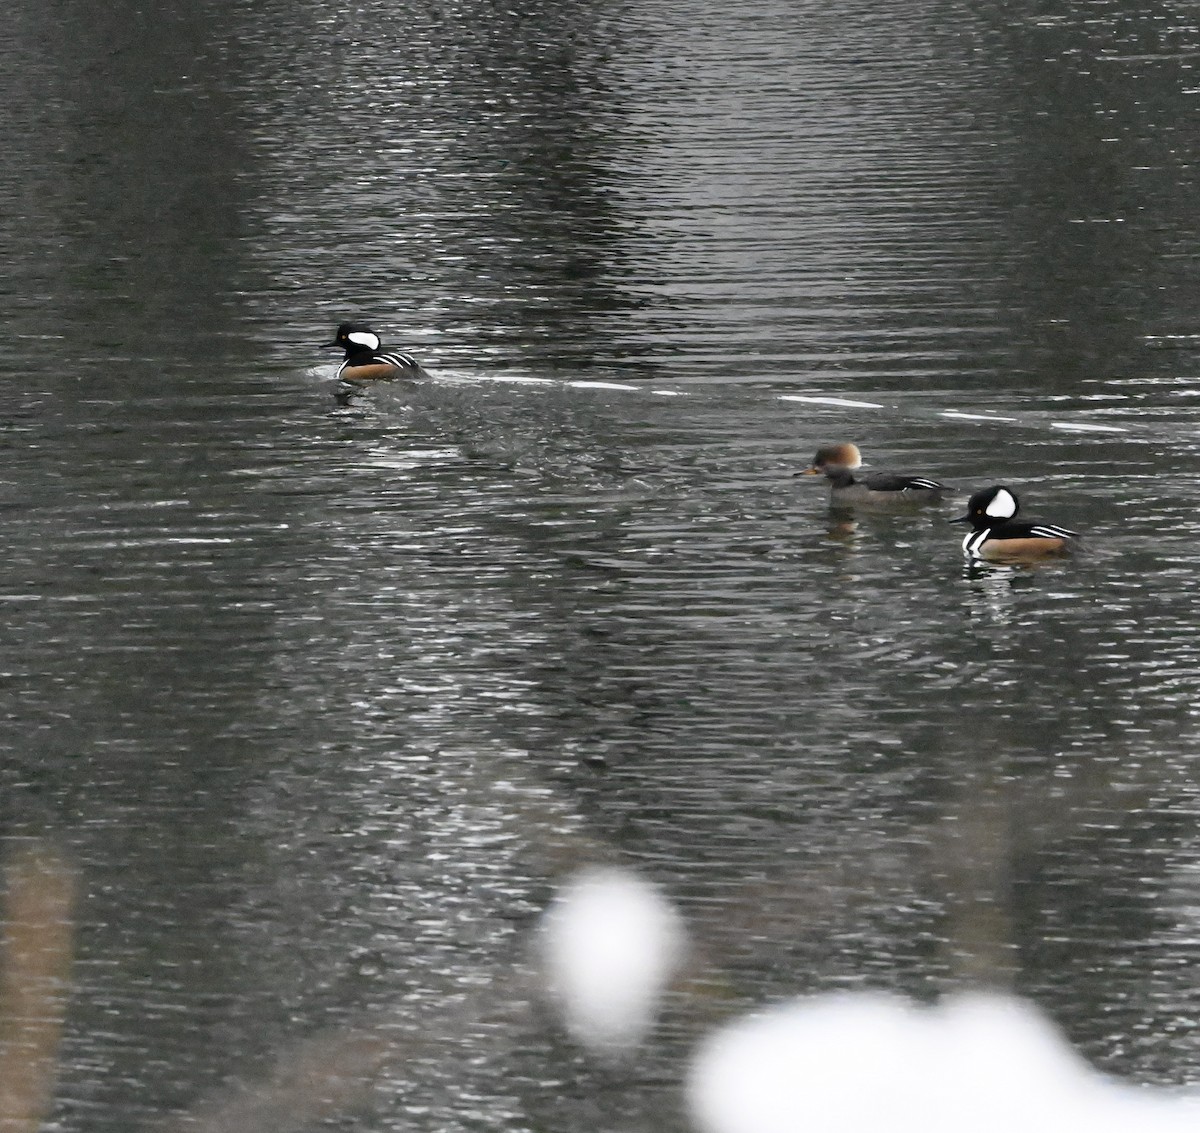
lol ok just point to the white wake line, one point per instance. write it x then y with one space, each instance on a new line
960 415
803 398
816 400
853 403
977 416
1077 427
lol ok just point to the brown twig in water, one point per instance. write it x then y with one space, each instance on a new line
35 975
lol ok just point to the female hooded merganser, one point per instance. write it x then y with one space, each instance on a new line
875 489
997 534
365 362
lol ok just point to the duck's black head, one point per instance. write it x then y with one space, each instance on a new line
355 338
990 506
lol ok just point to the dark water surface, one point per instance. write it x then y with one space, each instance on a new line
318 696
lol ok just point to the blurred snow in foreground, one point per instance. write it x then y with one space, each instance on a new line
872 1063
849 1062
610 944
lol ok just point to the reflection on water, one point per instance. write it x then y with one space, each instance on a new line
324 698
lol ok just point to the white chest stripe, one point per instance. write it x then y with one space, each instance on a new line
974 541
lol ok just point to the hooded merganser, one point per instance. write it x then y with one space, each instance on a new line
365 362
875 489
997 534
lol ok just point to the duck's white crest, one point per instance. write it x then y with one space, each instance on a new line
1002 506
364 338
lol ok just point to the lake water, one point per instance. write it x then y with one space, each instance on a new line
317 697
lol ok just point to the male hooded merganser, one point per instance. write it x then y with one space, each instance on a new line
875 489
997 534
365 362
